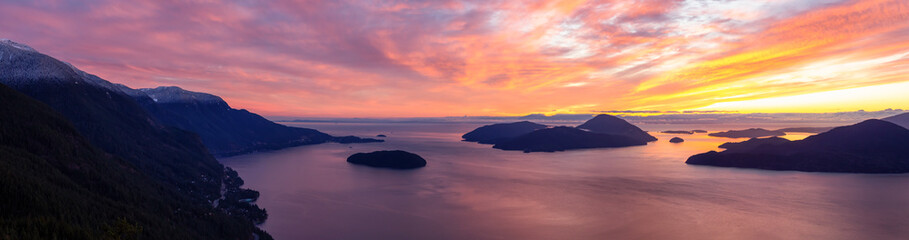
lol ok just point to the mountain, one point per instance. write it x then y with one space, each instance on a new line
609 124
56 185
902 120
495 133
565 138
747 133
114 122
752 143
224 130
872 146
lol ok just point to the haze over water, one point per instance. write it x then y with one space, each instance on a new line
472 191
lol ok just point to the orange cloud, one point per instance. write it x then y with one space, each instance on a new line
469 57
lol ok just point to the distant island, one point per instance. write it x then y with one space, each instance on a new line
678 132
699 131
747 133
532 137
676 140
395 159
872 146
495 133
566 138
805 129
609 124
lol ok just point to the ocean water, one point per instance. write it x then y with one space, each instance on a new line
472 191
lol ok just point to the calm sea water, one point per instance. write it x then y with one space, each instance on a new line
471 191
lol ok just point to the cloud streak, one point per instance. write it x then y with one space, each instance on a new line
450 58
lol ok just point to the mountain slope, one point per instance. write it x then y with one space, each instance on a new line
499 132
609 124
112 121
902 120
224 130
565 138
56 185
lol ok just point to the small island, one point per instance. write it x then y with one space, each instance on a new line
747 133
381 135
805 129
566 138
678 132
495 133
354 139
676 140
872 146
699 131
395 159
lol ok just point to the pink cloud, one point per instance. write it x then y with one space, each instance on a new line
440 58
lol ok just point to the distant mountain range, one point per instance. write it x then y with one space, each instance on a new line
83 160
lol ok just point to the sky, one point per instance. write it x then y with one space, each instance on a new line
366 58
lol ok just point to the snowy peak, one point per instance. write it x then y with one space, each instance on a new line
21 65
174 94
20 46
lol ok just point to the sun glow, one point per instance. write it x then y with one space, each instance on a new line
870 98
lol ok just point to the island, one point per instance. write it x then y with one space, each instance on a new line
381 135
678 132
353 139
872 146
699 131
609 124
566 138
676 140
495 133
395 159
747 133
805 129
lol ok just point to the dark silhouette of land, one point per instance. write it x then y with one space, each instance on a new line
902 120
752 143
609 124
678 132
531 137
224 130
872 146
747 133
566 138
676 140
113 122
395 159
805 129
495 133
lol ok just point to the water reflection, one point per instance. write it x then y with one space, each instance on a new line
471 191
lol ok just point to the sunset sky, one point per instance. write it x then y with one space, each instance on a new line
453 58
